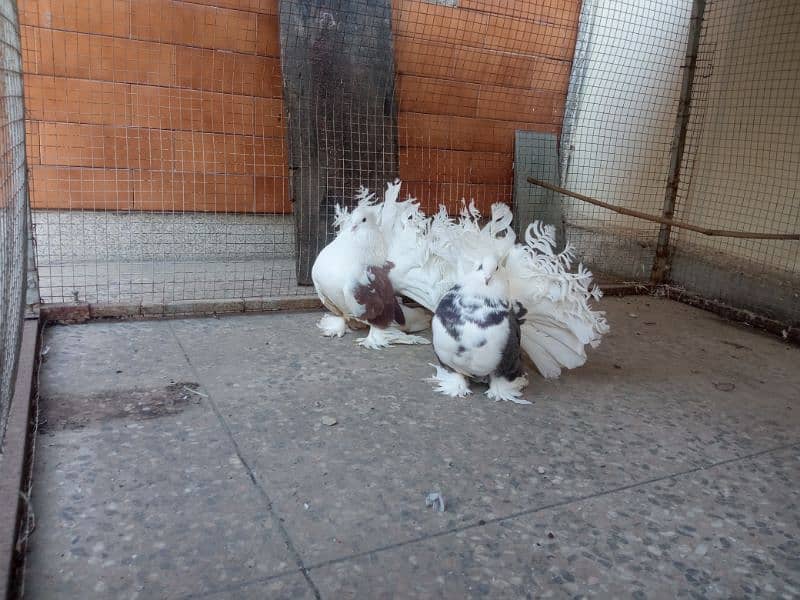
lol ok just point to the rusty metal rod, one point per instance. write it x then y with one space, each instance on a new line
662 262
751 235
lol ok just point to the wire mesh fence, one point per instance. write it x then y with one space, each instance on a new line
158 169
13 206
741 166
618 130
185 151
736 170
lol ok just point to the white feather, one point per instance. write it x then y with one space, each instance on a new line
431 253
449 383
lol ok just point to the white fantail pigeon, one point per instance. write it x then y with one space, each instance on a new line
352 278
476 335
428 253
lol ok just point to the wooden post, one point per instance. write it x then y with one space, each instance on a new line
661 263
337 58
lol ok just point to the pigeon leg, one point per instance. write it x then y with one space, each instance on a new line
332 326
501 388
381 338
449 382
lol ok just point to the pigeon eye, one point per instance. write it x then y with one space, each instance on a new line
364 220
480 268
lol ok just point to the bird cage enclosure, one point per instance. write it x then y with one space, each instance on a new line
187 153
185 156
688 110
13 207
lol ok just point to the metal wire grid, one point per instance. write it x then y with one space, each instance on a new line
159 154
741 167
163 153
13 206
471 74
618 129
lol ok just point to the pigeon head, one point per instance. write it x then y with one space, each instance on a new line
362 220
362 231
487 278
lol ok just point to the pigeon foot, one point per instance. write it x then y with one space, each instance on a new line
449 383
332 326
501 388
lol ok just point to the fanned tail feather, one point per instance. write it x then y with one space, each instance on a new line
430 253
462 242
560 322
418 272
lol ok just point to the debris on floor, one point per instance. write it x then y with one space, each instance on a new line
329 421
436 501
191 391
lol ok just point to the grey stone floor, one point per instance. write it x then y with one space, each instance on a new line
188 459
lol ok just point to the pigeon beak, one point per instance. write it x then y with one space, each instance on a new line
487 279
354 227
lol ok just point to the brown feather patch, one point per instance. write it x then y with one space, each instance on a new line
380 304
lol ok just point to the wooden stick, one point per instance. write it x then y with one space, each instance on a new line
640 215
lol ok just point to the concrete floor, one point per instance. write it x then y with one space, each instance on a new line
188 459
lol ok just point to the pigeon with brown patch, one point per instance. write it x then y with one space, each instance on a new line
352 277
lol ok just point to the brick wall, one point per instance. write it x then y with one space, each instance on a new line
469 75
154 105
174 105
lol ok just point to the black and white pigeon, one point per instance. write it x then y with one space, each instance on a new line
476 335
352 278
430 255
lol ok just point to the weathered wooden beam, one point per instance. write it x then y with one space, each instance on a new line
337 58
751 235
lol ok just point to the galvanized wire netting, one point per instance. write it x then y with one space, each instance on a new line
741 166
185 151
13 206
618 130
157 153
622 143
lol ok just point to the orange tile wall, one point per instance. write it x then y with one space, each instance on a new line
157 105
468 77
173 105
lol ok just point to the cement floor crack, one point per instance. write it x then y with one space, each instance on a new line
509 517
302 569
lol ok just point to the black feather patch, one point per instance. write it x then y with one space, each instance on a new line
454 311
510 365
449 313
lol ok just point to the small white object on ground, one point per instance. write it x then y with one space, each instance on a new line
436 500
329 421
541 470
191 391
